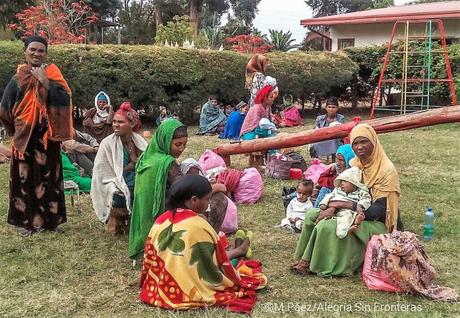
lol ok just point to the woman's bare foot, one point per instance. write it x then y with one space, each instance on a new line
239 251
302 268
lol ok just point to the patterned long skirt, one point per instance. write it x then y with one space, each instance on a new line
37 199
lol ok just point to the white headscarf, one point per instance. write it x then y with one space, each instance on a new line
101 114
189 163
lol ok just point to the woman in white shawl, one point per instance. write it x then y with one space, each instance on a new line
97 121
114 170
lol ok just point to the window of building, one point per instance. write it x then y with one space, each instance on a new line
344 43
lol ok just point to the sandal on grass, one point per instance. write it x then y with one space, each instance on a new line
239 237
250 236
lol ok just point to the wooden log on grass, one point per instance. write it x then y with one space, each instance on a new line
381 125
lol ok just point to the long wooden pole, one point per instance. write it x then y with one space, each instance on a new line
381 125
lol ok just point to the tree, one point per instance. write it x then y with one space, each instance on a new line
105 7
245 10
248 44
9 9
60 21
325 8
209 6
177 31
281 41
137 19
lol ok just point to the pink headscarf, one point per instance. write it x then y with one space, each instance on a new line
128 112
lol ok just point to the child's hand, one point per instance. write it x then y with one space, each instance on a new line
359 209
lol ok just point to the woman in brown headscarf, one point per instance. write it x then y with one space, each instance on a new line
255 75
318 249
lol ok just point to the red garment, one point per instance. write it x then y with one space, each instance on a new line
263 93
326 179
128 112
230 178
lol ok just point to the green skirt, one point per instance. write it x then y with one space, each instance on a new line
327 254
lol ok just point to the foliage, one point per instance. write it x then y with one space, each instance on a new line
60 21
281 41
249 44
177 31
215 37
324 8
137 19
370 61
235 27
245 10
9 9
105 7
181 79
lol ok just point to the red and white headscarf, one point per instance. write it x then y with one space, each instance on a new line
128 112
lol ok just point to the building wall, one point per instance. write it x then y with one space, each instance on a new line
379 33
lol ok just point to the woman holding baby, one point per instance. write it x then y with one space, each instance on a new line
319 250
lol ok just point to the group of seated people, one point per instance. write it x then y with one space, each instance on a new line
244 122
174 212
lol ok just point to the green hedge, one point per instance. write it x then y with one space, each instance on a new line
181 79
370 60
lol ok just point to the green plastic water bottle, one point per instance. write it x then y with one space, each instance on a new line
428 228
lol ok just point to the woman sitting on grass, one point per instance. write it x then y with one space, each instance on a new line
261 109
235 121
318 249
156 171
212 118
186 265
329 147
112 184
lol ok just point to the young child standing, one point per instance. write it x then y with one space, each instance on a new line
348 187
295 211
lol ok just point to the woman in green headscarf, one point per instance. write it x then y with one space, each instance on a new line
156 170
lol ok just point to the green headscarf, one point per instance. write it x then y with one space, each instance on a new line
150 186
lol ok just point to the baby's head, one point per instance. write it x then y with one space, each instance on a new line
347 186
350 180
304 190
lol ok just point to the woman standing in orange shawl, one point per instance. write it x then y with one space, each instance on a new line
36 109
186 265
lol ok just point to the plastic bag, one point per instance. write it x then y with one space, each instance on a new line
210 160
230 223
372 279
251 187
315 170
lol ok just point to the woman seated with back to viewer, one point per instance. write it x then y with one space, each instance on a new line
186 265
112 184
345 256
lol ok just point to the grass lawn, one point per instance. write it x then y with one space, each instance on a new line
86 273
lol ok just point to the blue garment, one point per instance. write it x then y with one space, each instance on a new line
321 194
129 177
233 127
347 152
210 118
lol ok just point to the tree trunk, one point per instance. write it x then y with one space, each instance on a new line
195 8
157 16
381 125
